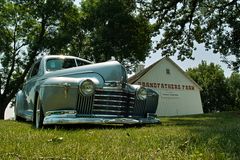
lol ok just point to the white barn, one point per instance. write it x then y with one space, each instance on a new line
178 93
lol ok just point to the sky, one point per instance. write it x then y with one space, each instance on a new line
199 55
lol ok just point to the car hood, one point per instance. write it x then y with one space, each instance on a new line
109 71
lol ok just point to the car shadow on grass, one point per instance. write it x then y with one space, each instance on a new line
199 120
219 132
96 126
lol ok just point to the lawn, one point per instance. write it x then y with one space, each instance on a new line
209 136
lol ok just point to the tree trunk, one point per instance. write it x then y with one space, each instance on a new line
3 106
4 101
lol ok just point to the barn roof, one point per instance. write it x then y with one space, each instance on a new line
140 74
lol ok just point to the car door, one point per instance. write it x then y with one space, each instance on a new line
29 87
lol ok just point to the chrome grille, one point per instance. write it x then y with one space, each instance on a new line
85 105
116 102
111 103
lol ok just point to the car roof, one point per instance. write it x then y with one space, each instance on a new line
64 56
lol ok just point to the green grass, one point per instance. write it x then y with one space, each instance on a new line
209 136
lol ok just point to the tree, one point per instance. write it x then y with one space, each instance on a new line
114 28
234 88
27 29
182 23
215 94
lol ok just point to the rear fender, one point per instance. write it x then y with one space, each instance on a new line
21 103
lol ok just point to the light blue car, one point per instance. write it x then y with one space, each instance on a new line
70 90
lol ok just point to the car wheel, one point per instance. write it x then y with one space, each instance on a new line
38 115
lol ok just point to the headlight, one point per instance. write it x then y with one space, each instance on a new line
87 87
142 93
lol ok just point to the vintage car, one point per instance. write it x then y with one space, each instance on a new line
70 90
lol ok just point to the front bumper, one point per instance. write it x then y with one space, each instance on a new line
74 119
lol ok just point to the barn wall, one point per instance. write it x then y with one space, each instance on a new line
178 95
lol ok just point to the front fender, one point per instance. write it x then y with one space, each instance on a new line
61 93
151 100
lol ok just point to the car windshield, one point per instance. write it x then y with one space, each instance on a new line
59 63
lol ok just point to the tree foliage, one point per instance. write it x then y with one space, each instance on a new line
181 23
215 94
234 90
27 29
114 28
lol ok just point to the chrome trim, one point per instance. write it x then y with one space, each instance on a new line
73 119
59 85
115 96
106 90
81 87
109 111
113 85
57 112
139 96
107 100
151 94
118 102
112 88
85 104
106 105
66 84
120 96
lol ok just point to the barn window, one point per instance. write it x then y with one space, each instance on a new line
167 71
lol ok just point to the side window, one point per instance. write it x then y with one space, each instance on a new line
81 63
69 63
35 69
58 63
54 64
